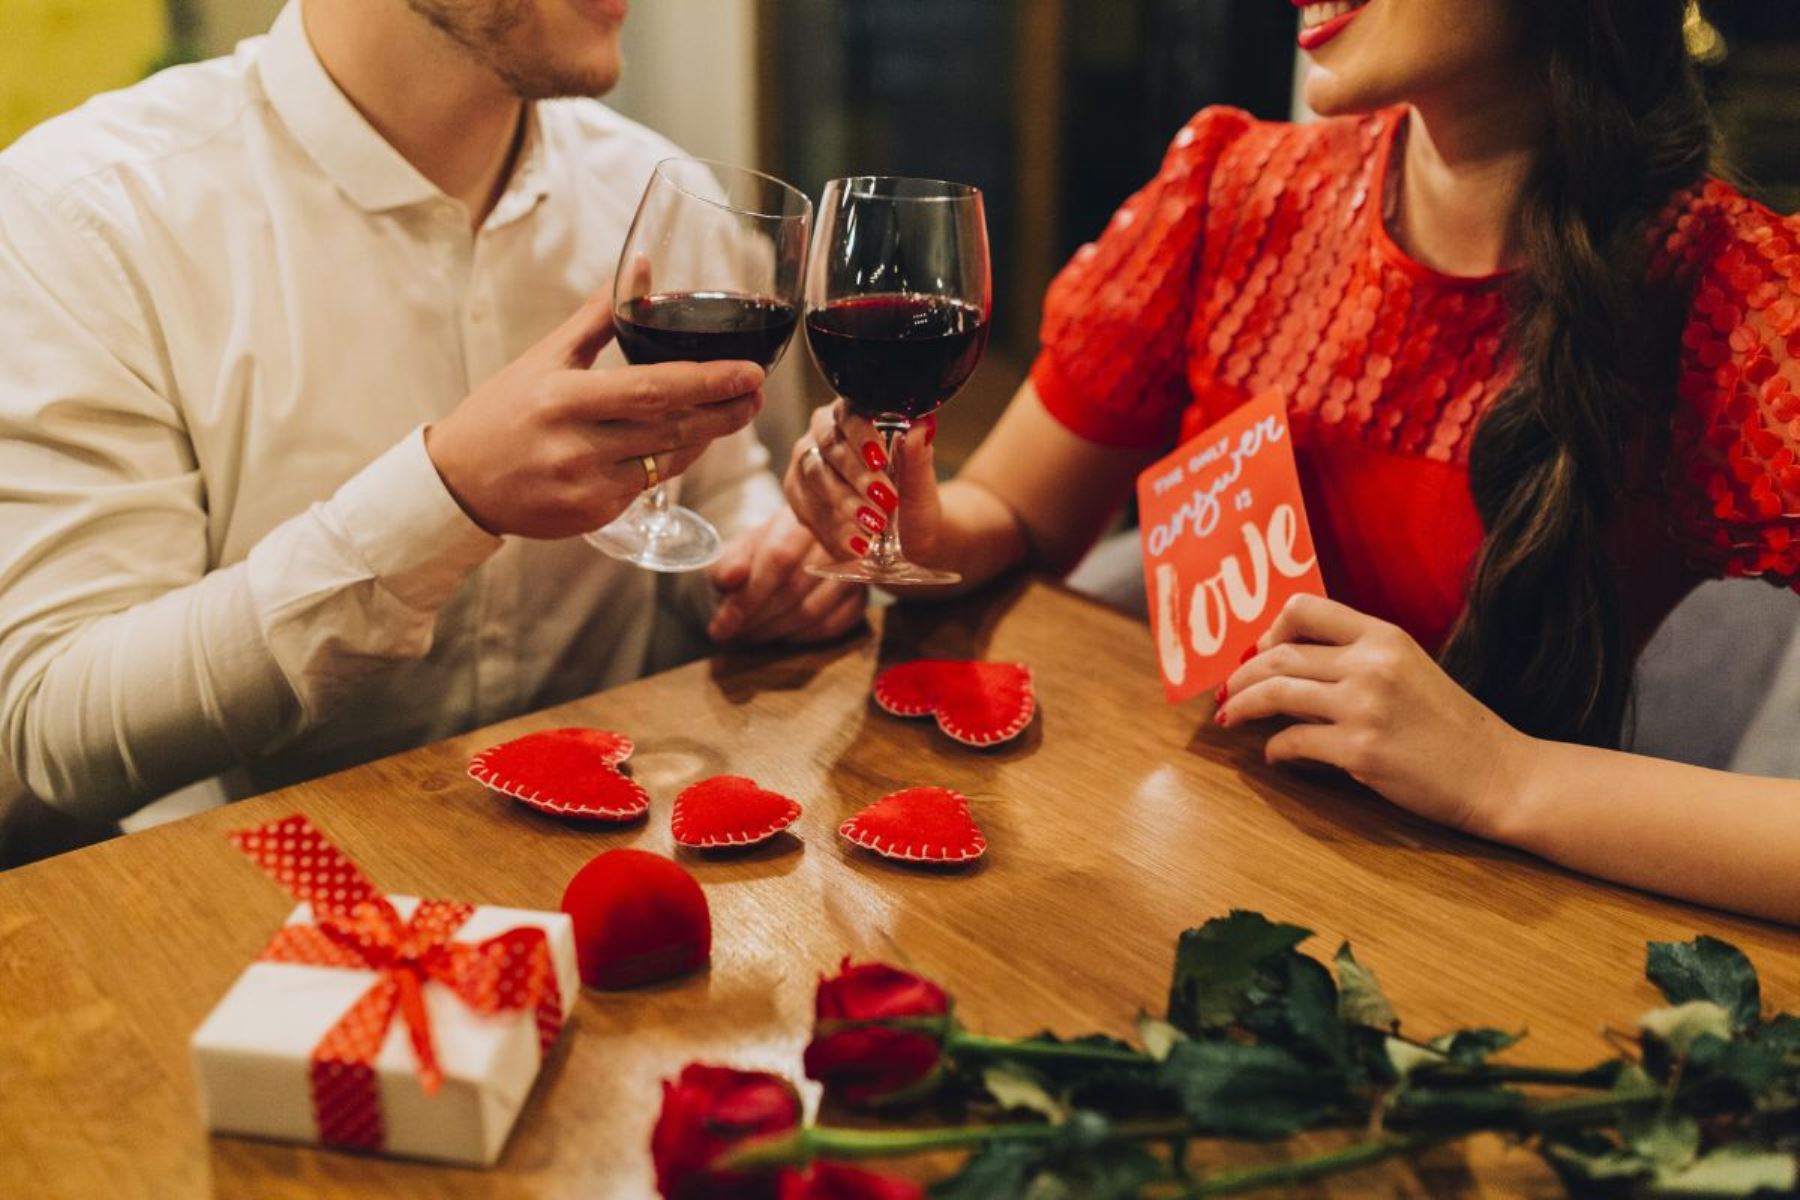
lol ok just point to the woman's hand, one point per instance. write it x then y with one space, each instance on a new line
1369 700
842 487
768 595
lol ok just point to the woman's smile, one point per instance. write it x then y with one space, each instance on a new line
1322 20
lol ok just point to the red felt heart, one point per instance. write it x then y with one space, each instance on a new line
729 810
977 703
569 772
922 824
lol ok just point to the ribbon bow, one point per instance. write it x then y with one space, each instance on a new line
356 927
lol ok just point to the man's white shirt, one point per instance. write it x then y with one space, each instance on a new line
227 310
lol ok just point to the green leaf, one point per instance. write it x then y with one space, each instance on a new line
1084 1131
1360 998
1111 1083
1080 1165
1159 1037
1370 1062
1299 1010
1706 969
1731 1171
1220 968
1115 1172
1591 1162
1633 1080
1013 1086
1728 1075
1000 1171
1780 1034
1589 1159
1472 1046
1407 1057
1668 1141
1230 1089
1677 1027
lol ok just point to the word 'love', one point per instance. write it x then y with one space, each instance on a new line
1226 543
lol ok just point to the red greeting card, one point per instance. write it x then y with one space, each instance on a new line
1225 544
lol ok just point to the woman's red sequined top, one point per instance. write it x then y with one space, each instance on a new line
1259 258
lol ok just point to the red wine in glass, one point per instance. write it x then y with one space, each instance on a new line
896 355
704 327
711 270
898 292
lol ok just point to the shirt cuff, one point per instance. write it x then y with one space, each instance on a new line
407 527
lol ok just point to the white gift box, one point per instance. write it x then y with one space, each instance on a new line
253 1051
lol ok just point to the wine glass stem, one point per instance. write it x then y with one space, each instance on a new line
886 548
656 512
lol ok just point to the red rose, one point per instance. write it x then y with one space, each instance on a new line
708 1111
830 1181
873 1063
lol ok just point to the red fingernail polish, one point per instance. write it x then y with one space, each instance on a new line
883 495
874 457
871 520
1248 654
1219 696
859 546
930 424
1219 717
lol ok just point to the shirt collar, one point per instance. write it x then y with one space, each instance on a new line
368 170
530 180
359 160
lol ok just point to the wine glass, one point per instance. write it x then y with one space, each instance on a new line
710 270
898 300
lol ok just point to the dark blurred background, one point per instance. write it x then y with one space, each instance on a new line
1058 109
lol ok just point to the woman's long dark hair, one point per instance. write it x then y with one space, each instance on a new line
1542 641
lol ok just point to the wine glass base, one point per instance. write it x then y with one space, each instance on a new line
898 574
678 541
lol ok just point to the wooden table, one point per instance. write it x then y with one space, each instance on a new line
1114 823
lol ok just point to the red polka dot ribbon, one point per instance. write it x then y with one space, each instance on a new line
357 928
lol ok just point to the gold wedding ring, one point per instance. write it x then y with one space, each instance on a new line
652 476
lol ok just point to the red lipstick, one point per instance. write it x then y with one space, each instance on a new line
1314 36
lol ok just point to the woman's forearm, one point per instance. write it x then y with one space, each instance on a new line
1035 492
1703 835
978 537
1032 493
982 533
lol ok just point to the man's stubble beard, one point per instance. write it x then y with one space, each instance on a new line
489 31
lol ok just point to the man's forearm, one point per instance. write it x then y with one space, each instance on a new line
106 708
143 701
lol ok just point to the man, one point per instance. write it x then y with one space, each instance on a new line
296 425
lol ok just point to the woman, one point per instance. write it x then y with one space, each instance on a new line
1542 374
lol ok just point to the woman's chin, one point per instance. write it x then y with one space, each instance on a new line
1329 94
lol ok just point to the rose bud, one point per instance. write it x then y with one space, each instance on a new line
708 1112
860 1058
832 1181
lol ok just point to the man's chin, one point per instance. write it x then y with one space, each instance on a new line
546 84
